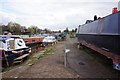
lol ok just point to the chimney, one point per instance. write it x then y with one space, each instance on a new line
114 10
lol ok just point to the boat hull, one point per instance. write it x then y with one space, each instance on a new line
109 43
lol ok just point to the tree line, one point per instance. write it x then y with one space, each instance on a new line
17 29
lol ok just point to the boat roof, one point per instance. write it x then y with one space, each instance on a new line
102 18
10 36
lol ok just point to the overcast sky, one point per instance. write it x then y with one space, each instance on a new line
53 14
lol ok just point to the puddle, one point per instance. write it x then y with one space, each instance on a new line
81 63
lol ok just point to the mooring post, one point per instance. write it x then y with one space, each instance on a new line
65 57
65 60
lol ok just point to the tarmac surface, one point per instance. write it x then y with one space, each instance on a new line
80 64
88 63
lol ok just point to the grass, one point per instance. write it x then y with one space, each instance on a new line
72 35
47 51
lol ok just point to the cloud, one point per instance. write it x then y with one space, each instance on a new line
5 17
54 14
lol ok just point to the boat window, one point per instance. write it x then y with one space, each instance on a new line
12 44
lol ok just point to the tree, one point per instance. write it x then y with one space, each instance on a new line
0 29
75 29
59 31
31 30
38 31
47 30
23 29
14 28
67 31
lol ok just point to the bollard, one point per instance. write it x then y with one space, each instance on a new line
65 57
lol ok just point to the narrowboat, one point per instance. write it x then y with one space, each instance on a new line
11 48
103 36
